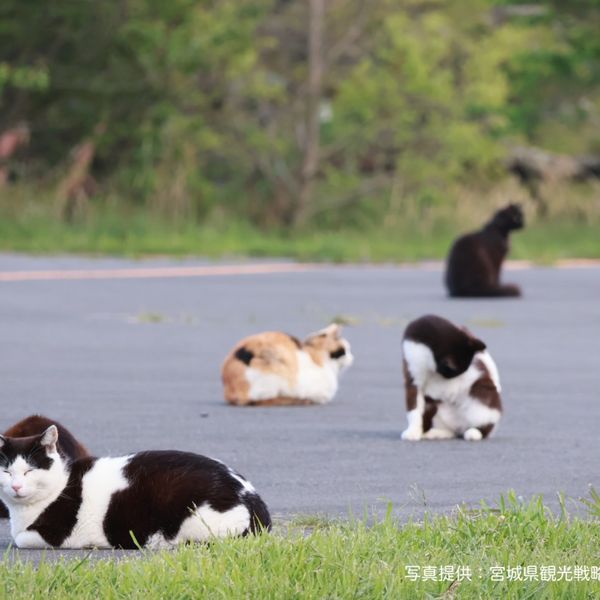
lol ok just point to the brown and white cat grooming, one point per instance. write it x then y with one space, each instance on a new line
475 260
68 447
274 368
154 499
452 383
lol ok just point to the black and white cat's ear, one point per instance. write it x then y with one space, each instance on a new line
477 345
49 439
2 441
474 343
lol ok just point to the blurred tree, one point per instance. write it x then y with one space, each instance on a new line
287 112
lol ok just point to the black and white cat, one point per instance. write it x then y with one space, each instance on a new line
154 499
452 383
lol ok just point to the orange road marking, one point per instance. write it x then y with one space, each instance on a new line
251 269
156 272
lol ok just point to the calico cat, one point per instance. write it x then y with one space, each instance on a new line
153 499
275 368
475 259
452 383
68 447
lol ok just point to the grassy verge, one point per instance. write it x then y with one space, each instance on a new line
139 236
484 554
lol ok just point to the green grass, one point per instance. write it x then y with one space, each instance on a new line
137 235
345 560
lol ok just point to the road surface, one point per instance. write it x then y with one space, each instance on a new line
132 362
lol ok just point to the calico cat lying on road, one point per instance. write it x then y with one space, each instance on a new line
275 368
475 260
150 499
452 383
68 447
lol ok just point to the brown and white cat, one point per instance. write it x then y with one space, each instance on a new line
275 368
451 381
68 446
475 260
155 499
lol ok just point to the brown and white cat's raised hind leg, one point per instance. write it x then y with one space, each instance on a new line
415 407
433 428
420 412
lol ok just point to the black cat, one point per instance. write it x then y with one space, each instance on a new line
475 259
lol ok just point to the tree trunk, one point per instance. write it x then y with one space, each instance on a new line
310 165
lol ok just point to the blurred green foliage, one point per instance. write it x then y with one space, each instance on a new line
196 108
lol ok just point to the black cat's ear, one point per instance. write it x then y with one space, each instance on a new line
476 345
49 439
2 441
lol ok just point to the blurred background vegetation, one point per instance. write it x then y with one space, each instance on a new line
338 129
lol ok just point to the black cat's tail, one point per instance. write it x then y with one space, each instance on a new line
506 291
260 519
509 289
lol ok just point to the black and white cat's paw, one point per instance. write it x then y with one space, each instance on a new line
412 434
472 435
30 539
438 433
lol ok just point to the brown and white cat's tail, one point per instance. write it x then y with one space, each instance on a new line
236 388
281 401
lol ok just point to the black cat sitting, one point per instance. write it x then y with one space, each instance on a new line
475 259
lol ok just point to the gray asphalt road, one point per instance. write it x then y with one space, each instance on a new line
134 364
